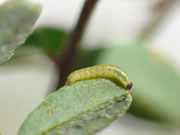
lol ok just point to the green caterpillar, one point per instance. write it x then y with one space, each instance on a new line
102 71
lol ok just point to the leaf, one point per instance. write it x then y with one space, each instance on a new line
82 108
89 56
47 38
156 83
17 18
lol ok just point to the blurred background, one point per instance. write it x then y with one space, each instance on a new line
112 34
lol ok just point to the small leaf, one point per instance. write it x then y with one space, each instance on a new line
47 38
17 18
82 108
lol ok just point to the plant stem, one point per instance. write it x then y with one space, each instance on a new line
161 9
69 56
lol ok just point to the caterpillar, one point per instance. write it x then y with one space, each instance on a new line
109 71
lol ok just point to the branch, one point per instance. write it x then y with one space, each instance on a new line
161 9
69 56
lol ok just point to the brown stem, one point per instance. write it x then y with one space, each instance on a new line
160 9
68 58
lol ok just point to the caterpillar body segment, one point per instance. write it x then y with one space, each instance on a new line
102 71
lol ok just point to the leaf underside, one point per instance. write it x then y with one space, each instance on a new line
82 108
17 18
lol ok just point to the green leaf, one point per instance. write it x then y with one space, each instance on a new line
89 56
17 18
82 108
47 38
156 83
